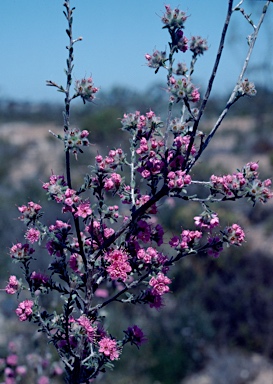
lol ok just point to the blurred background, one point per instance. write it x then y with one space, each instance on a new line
217 326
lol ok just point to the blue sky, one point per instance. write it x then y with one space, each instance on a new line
116 36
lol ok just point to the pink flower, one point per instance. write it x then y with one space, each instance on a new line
156 60
12 360
24 310
109 348
188 240
147 255
84 133
177 179
32 235
85 323
103 293
207 220
9 376
234 234
21 251
83 210
174 18
198 45
195 95
119 266
85 89
142 199
43 380
159 284
113 182
13 285
108 232
21 370
29 212
145 174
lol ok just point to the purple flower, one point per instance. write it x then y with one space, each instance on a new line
135 335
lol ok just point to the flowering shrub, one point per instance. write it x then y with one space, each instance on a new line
102 252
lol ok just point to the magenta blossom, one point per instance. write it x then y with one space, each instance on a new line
13 285
85 323
234 234
24 310
160 284
109 348
119 266
32 235
83 210
207 220
21 251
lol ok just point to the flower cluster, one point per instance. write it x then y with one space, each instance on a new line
113 182
234 235
32 235
198 45
143 125
159 284
244 183
85 89
156 60
58 190
112 161
181 69
39 280
87 327
150 161
183 89
57 234
74 139
148 255
119 266
173 18
246 87
21 252
147 232
24 310
188 240
109 348
207 219
13 285
30 212
177 179
55 187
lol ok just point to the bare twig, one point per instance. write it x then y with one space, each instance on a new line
210 84
234 95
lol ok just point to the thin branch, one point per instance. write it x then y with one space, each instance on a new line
234 95
210 84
